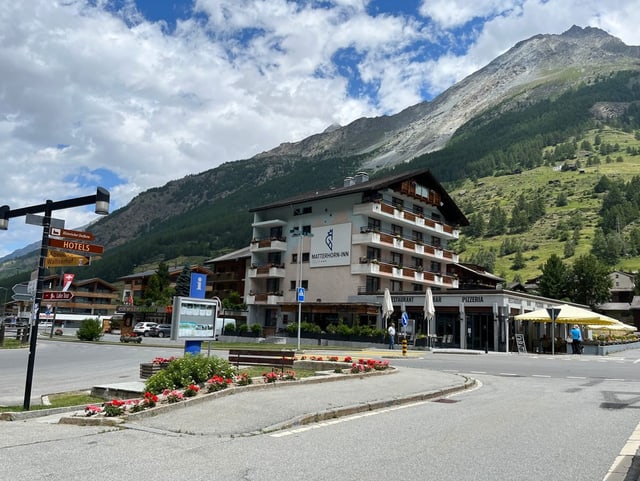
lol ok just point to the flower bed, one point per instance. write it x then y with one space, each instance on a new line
119 409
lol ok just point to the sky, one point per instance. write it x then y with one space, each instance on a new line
130 94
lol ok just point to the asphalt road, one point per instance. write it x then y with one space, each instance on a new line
508 428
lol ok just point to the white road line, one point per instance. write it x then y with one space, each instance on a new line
614 379
576 377
507 374
477 372
344 419
354 417
636 361
540 375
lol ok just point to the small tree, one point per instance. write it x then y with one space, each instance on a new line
90 330
183 283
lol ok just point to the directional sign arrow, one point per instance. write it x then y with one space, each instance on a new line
57 295
76 246
68 260
71 234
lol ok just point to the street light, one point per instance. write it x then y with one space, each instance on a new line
297 232
101 201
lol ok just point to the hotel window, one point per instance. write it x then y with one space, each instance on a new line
417 287
396 230
396 258
396 286
397 203
373 284
417 236
373 224
373 253
294 284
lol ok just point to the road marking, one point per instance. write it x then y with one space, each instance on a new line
540 375
354 417
614 379
478 372
576 377
636 361
507 374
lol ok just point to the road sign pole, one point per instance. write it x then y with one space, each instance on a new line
35 315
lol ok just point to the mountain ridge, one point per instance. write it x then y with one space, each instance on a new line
541 67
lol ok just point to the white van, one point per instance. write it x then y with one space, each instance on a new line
221 322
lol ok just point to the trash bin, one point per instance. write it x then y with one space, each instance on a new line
192 347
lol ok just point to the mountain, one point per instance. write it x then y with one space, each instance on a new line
544 88
534 69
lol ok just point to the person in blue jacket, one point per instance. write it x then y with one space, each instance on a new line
576 344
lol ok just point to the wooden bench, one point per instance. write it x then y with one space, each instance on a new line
257 357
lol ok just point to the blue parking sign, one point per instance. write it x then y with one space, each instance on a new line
300 294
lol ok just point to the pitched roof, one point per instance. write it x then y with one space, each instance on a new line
448 207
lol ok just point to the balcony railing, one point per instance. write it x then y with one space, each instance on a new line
383 210
394 241
269 270
385 269
265 298
270 244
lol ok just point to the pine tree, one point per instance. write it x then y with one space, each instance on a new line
554 279
183 283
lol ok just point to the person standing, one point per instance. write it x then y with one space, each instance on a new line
576 340
392 335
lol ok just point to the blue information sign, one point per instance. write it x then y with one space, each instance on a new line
300 294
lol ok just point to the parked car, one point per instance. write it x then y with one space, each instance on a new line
160 330
144 328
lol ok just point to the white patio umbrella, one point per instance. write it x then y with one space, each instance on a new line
429 309
387 305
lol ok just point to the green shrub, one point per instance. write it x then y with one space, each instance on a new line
306 328
242 328
344 330
256 329
187 370
229 329
90 330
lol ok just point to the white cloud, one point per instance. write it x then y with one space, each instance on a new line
85 89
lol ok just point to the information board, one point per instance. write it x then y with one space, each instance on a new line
522 347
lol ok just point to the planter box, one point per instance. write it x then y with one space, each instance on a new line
148 369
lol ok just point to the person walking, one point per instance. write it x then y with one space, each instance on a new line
576 340
392 335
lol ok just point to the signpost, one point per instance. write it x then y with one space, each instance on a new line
553 312
76 246
72 234
66 260
57 295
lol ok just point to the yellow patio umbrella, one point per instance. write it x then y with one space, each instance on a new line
618 327
567 314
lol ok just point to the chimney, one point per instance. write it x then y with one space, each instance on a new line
361 177
348 181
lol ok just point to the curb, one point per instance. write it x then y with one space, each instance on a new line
365 407
115 421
